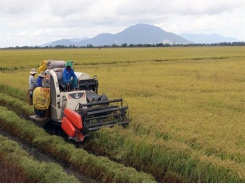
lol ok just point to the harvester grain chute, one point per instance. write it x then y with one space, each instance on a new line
81 111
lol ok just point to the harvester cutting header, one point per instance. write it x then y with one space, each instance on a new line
75 104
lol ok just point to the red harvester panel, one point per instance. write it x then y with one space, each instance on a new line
74 117
67 126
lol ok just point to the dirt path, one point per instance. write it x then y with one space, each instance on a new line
44 157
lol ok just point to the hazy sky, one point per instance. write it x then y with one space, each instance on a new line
34 22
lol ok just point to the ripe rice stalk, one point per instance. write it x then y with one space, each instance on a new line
17 105
10 125
12 91
48 144
33 170
29 131
53 145
190 97
165 157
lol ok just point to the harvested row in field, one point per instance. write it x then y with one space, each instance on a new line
100 168
31 170
41 156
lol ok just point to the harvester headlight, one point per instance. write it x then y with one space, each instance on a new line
95 76
64 101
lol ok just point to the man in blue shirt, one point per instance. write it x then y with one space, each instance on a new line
69 78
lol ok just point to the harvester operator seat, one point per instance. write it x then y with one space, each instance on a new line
59 72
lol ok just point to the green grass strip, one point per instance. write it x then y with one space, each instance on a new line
34 170
100 168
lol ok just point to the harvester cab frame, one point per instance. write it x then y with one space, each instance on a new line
82 111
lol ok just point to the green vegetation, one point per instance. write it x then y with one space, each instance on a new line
16 105
32 170
186 106
100 168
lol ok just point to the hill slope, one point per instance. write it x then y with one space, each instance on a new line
142 34
205 38
137 34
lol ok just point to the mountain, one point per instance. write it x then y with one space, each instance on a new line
147 34
78 39
99 40
142 34
66 42
207 38
137 34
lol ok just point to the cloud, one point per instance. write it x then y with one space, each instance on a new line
18 8
68 8
48 20
178 7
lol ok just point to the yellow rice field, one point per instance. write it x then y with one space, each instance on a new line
190 97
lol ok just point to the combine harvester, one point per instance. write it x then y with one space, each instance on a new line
81 111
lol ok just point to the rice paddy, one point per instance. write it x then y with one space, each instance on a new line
186 106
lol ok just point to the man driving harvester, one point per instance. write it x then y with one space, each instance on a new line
69 78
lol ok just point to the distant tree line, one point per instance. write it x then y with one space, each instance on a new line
132 45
